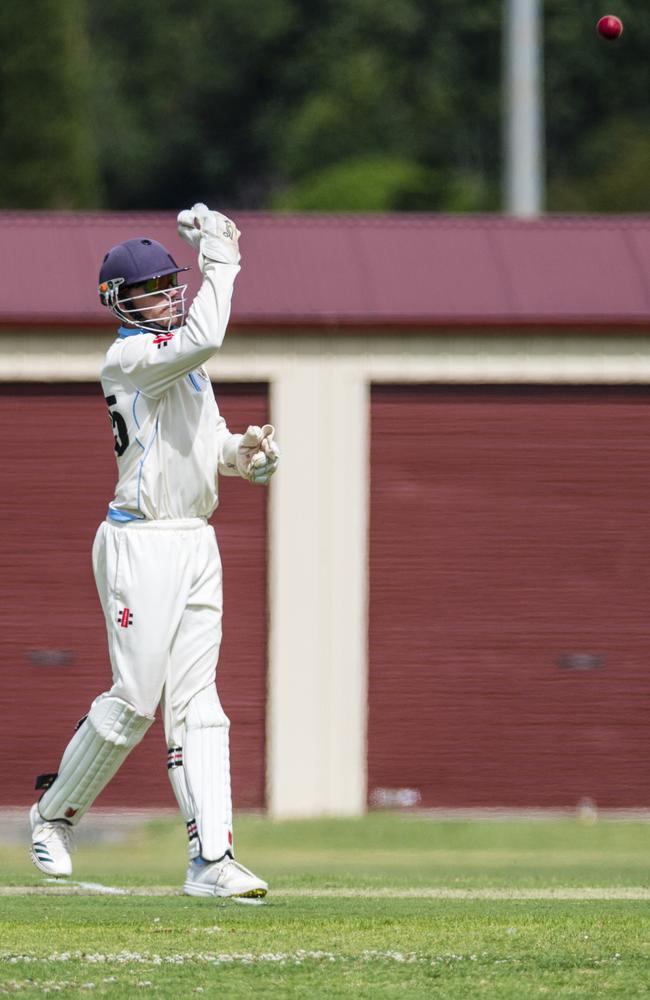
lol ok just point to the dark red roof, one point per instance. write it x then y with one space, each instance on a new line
354 270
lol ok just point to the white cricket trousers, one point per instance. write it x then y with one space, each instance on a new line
160 586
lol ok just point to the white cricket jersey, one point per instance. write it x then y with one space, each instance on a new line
170 439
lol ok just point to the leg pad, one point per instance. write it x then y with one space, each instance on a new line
207 771
96 751
176 773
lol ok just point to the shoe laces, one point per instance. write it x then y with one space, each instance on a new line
231 862
61 831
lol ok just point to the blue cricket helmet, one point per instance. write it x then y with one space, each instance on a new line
137 260
134 262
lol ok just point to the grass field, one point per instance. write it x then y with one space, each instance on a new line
380 907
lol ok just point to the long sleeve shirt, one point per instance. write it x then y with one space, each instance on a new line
170 439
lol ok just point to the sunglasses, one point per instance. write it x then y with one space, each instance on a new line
160 284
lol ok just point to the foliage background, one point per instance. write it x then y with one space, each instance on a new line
309 104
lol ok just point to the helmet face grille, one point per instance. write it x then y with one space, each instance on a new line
132 310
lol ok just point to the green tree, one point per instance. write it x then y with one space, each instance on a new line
246 103
396 80
47 155
610 172
181 94
597 112
380 184
309 104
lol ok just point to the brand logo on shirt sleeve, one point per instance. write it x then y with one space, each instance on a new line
162 339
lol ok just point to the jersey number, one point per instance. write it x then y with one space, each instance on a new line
120 433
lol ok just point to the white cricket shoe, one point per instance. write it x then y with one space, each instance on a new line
51 844
225 878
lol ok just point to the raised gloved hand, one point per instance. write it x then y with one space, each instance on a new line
214 235
257 454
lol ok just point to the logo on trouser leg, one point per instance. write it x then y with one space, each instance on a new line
125 618
174 758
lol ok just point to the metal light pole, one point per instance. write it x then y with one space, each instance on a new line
523 109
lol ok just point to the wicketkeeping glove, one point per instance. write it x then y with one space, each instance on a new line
257 454
211 233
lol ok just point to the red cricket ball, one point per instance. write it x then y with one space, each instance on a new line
610 27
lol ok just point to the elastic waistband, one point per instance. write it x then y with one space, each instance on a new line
167 524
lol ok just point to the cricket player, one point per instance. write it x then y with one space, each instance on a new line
155 557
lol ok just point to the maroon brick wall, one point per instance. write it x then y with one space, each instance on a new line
57 478
509 595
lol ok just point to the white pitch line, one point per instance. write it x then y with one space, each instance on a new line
631 892
67 888
92 887
57 887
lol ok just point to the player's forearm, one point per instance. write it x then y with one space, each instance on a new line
207 319
228 444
